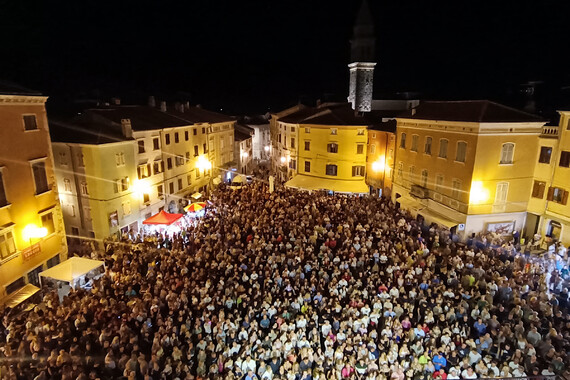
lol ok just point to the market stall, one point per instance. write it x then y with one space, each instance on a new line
76 272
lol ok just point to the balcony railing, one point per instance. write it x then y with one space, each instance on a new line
549 131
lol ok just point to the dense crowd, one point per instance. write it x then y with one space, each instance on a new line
293 285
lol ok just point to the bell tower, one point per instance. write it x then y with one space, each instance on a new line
362 61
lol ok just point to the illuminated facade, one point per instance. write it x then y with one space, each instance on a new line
465 165
279 136
32 235
137 161
549 211
380 156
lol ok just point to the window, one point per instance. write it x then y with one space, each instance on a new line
307 166
120 158
141 146
292 143
538 189
424 178
114 219
126 208
332 148
558 195
507 152
203 130
564 159
372 148
18 284
142 171
307 145
167 138
179 184
307 130
456 188
80 160
361 132
461 150
84 189
87 213
412 173
279 138
124 183
403 140
7 244
358 171
205 147
334 131
158 166
189 179
62 158
438 182
71 211
176 138
415 139
545 153
47 223
501 193
156 143
359 148
443 148
146 198
427 147
171 188
292 129
169 163
293 164
400 169
30 122
3 199
40 177
196 152
160 190
66 185
179 160
331 169
186 135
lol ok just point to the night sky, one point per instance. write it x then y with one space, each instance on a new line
251 56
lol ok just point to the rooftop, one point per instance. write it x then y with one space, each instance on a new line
10 88
327 115
82 131
476 111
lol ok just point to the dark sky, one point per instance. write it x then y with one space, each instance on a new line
248 56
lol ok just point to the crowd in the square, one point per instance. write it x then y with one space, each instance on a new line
293 285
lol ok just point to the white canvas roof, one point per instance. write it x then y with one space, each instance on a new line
71 269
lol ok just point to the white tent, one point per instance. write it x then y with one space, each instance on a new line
72 269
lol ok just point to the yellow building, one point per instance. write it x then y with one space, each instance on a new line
279 137
465 165
325 148
380 158
32 236
136 161
549 211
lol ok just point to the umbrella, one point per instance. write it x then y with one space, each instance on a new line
193 207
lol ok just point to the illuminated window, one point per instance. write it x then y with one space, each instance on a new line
358 171
160 190
125 183
558 195
403 140
7 244
507 152
334 131
461 151
361 132
332 148
443 148
307 130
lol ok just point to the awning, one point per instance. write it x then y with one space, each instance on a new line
433 217
409 203
238 179
163 217
71 269
305 182
196 195
20 295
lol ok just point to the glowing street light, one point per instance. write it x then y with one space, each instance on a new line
244 154
31 231
141 187
203 164
379 164
283 159
266 148
478 194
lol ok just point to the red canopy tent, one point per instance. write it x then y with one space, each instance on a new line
163 218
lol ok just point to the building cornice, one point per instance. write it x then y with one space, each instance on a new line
22 100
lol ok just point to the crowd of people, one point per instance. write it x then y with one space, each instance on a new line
293 285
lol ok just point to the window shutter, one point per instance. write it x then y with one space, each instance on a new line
535 189
565 198
550 194
541 187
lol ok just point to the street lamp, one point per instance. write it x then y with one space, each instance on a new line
31 231
283 159
141 187
379 164
203 164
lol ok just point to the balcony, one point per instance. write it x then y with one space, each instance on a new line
419 192
549 131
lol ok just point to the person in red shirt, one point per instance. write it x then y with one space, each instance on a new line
440 374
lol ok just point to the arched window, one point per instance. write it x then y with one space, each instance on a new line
507 153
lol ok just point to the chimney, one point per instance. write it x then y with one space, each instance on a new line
116 101
126 128
151 101
163 106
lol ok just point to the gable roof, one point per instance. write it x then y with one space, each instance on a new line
83 131
477 111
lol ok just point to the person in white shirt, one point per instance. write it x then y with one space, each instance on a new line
468 374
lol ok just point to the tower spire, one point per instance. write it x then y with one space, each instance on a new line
362 58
